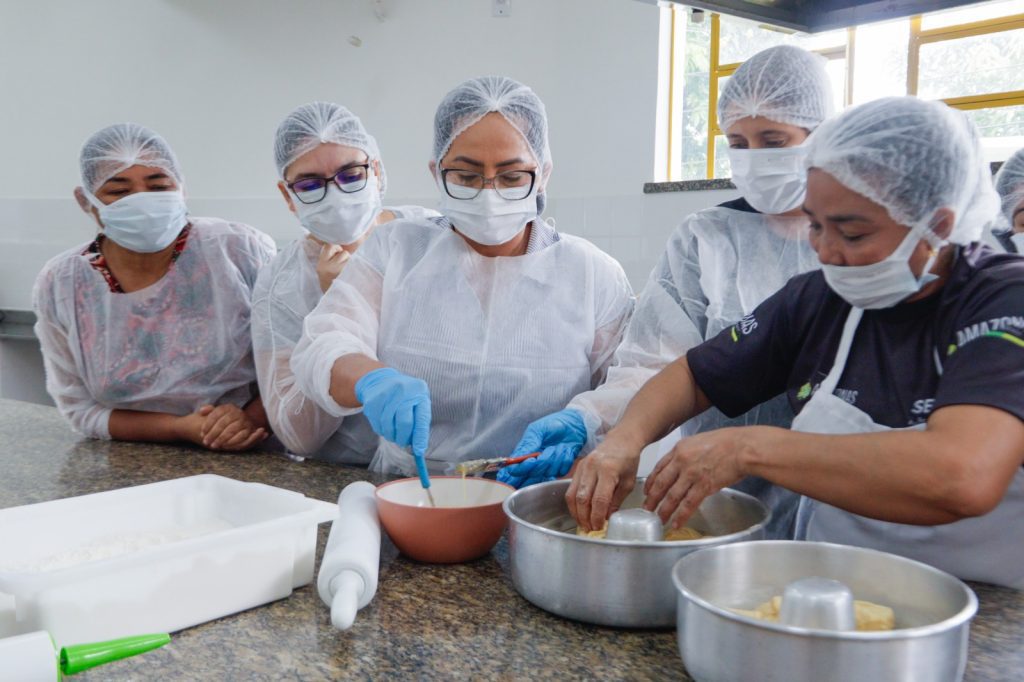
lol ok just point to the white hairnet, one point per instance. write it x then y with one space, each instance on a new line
122 145
785 83
1010 184
317 123
474 99
912 157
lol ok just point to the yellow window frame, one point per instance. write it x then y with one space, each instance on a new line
919 37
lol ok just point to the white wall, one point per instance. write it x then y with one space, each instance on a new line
215 78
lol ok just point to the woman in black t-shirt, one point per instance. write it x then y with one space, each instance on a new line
903 360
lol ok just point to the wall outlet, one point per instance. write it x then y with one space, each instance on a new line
501 8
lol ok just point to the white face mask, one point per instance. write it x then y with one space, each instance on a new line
887 282
144 222
1018 240
773 181
341 217
487 218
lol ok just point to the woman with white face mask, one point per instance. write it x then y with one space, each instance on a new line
333 180
719 264
903 358
1010 185
451 334
145 329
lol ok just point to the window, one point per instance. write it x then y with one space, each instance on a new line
973 59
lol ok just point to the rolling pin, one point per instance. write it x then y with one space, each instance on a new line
348 573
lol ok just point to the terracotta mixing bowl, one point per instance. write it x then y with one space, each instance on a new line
467 521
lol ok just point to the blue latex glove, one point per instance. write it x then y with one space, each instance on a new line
559 437
398 409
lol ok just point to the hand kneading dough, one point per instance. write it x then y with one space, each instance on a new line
671 535
868 616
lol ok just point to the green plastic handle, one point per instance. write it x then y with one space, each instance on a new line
79 657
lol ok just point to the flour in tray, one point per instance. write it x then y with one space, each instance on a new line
112 546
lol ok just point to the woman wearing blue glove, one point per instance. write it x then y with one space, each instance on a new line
452 334
718 265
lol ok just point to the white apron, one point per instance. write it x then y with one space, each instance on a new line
987 548
499 341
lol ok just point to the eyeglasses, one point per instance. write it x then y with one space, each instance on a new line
510 185
348 180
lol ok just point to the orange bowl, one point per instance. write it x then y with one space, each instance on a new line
467 521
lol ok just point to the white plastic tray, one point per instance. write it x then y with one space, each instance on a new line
153 558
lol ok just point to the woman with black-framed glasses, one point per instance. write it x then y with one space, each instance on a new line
333 181
450 335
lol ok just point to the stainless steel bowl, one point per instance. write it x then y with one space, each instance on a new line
933 613
621 583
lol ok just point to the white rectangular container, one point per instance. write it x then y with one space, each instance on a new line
153 558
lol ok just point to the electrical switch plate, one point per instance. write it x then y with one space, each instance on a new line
501 8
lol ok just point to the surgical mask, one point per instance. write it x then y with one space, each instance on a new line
1018 240
144 222
887 282
487 218
773 181
341 217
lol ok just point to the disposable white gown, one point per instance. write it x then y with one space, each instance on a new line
499 341
286 291
718 265
172 347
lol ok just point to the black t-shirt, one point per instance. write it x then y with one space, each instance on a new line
740 204
962 345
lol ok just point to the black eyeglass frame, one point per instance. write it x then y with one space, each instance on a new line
334 179
446 171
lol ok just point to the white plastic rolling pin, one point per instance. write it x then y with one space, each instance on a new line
348 572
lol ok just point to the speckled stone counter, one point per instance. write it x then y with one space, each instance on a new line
426 622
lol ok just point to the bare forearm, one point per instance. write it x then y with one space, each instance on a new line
155 427
914 477
348 370
667 400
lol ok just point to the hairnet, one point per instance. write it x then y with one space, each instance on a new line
912 157
122 145
316 123
785 83
474 99
1010 184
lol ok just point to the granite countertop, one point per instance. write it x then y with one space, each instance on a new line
427 621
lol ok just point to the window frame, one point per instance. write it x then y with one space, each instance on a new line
918 37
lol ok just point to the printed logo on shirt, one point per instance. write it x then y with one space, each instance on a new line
847 395
922 407
744 327
920 410
1010 328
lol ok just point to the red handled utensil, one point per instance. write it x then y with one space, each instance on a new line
481 466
